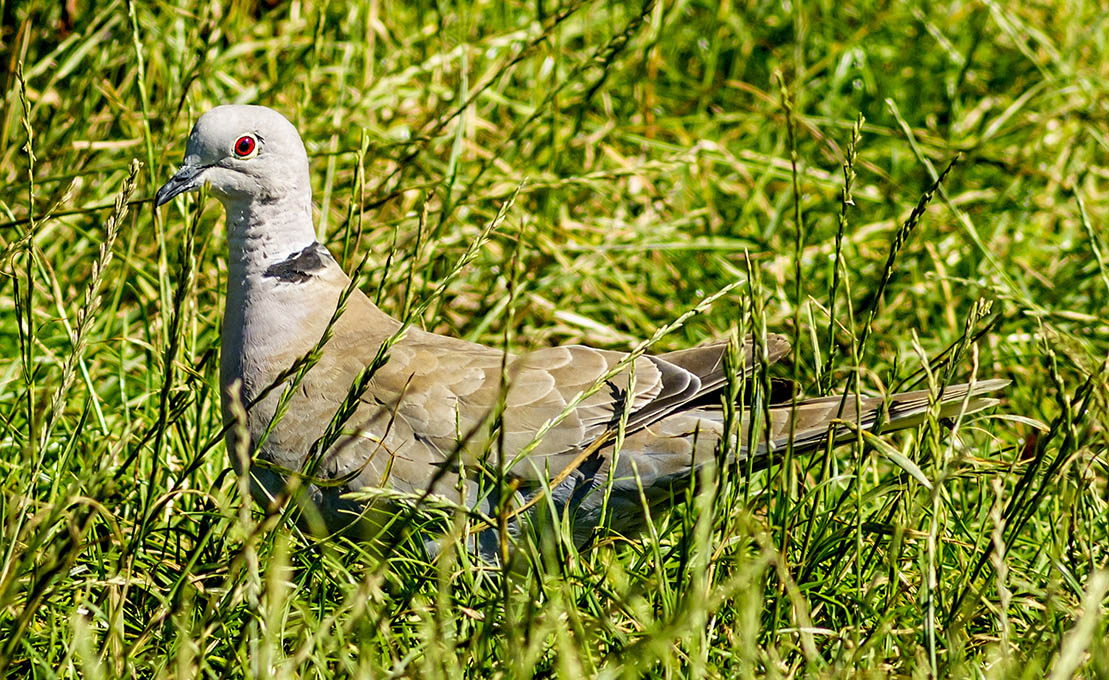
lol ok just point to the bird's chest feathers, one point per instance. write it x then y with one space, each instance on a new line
268 324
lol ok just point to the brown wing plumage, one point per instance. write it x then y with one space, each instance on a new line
707 361
446 390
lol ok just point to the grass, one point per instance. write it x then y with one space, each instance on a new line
665 151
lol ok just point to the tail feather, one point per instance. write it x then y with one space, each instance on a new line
812 418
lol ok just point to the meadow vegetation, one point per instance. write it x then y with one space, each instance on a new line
660 152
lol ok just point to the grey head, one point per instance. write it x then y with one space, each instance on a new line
246 154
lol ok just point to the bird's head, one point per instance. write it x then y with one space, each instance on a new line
246 154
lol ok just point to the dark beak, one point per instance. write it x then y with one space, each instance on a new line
188 178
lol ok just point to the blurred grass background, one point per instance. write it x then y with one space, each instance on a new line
654 143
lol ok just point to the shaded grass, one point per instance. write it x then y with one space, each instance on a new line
660 167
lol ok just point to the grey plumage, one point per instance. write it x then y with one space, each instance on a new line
424 418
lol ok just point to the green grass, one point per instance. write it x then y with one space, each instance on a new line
659 163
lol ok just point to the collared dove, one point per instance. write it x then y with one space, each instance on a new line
423 422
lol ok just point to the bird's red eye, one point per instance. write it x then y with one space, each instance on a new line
244 146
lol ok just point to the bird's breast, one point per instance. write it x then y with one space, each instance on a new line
268 326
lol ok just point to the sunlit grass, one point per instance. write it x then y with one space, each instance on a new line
654 162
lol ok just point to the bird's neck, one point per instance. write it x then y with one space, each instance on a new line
262 233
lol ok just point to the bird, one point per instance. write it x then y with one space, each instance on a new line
320 386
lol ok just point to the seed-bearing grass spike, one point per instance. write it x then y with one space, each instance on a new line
344 398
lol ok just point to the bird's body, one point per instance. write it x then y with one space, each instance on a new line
429 414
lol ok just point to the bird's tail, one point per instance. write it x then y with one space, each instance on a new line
812 419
